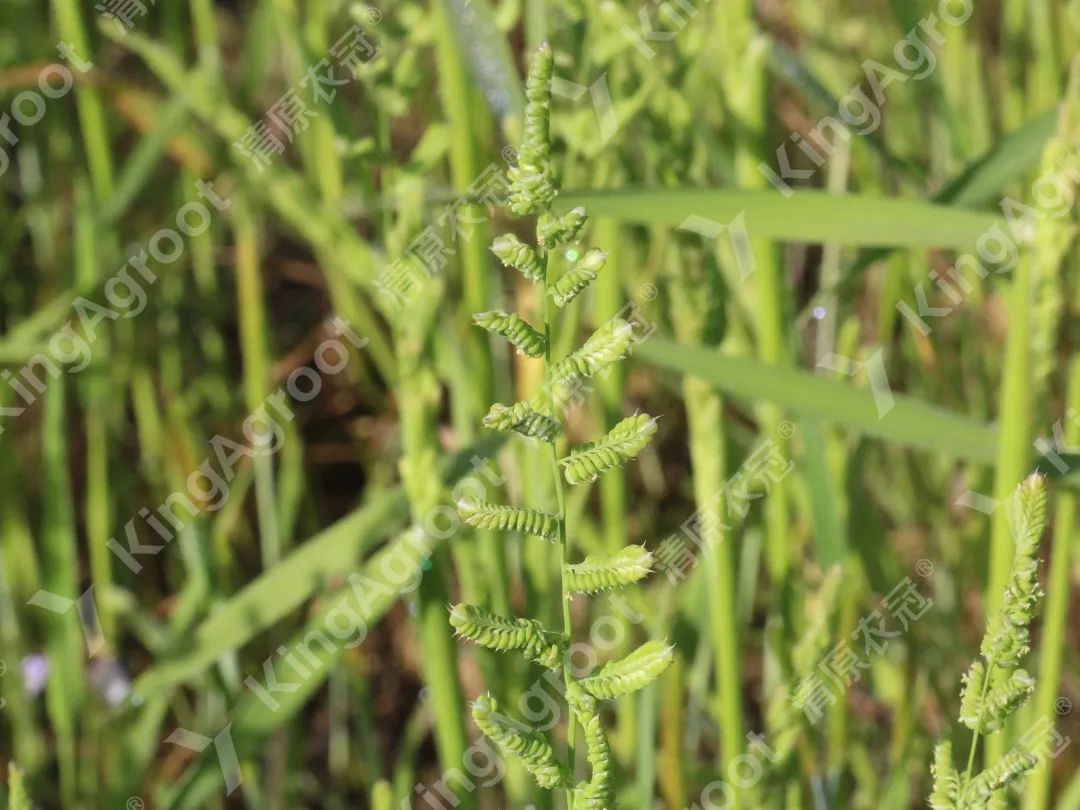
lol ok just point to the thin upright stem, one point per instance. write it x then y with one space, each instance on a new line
978 722
564 546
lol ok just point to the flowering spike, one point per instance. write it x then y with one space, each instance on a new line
608 344
532 185
535 753
514 253
524 338
946 779
523 418
484 515
621 444
989 697
555 230
601 572
640 668
499 633
577 278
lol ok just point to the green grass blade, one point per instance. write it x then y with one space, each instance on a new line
805 216
910 422
282 589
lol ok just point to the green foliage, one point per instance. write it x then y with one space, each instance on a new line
994 687
17 796
785 718
620 445
532 190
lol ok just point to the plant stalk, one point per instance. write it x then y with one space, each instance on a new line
564 546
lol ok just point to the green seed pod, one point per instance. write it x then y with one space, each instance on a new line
499 633
535 752
599 572
971 697
1007 637
523 418
946 780
989 713
577 278
512 252
1000 775
598 792
524 338
1004 699
555 230
643 666
609 343
532 186
485 515
622 444
1006 642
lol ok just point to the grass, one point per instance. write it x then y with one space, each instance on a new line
322 532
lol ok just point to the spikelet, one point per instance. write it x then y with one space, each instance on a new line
1002 700
987 701
484 515
570 284
532 187
946 779
1007 637
555 230
514 253
598 792
523 418
971 709
524 338
640 668
609 343
599 572
499 633
1001 774
535 752
621 444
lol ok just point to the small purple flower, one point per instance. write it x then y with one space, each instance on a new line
35 673
110 680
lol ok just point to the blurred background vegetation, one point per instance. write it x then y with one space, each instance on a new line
352 153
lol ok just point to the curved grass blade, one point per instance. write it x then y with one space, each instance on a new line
805 216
